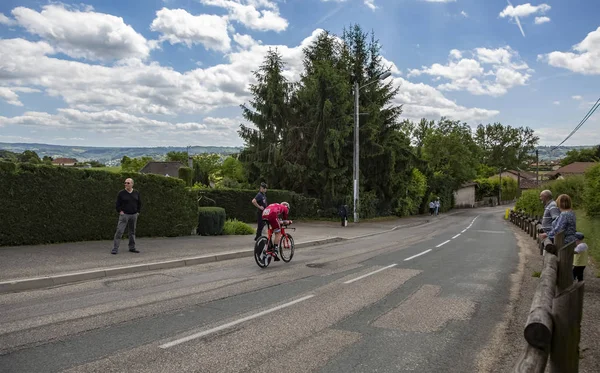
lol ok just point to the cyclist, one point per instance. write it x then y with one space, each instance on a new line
272 214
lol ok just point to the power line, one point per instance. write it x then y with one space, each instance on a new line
585 118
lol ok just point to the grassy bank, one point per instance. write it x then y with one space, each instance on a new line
590 228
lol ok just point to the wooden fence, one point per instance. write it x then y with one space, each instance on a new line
553 326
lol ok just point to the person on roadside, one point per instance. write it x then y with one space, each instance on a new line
566 221
551 211
580 258
437 206
260 201
129 205
431 208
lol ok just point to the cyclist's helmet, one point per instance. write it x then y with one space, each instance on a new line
286 205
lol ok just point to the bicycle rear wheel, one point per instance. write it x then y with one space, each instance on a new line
259 257
286 247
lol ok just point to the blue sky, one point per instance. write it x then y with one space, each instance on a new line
173 72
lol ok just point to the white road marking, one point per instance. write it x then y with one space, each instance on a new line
456 236
443 243
463 231
414 256
233 323
369 274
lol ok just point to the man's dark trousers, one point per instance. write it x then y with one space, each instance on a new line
261 225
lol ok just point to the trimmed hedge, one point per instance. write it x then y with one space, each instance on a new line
211 221
238 203
185 174
42 204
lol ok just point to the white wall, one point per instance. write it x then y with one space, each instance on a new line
465 197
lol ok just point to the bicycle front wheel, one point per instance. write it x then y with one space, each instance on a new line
262 259
286 247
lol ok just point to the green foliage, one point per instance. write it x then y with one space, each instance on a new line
530 203
588 225
232 173
571 185
592 191
185 174
505 146
489 187
206 168
42 204
175 156
417 187
582 155
236 227
211 221
134 164
29 156
238 202
7 167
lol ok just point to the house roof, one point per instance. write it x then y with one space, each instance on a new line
528 184
575 168
524 174
64 160
469 184
162 168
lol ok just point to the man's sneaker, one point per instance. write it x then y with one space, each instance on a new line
134 250
114 251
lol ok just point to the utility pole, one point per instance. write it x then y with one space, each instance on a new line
537 165
500 187
356 129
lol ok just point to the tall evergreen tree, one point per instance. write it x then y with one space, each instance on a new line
270 113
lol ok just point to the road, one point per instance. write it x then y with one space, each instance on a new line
422 299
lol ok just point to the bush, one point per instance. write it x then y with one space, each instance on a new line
211 221
185 174
238 202
592 191
571 185
42 204
530 203
236 227
8 167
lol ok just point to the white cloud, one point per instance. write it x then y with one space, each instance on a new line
522 11
464 14
553 135
556 102
179 26
577 97
4 20
585 59
262 15
440 1
423 101
540 20
469 74
84 34
370 4
245 41
9 94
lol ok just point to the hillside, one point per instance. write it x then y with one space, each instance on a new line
545 153
108 155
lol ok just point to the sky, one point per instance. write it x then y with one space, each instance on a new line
174 72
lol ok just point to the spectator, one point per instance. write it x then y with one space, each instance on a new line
437 206
431 207
260 201
129 205
580 258
551 211
566 221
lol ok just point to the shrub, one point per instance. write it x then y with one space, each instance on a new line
238 202
530 203
185 174
592 191
571 185
42 204
236 227
8 167
211 221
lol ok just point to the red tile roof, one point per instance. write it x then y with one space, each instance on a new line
575 168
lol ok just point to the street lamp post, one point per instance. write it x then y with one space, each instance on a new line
357 89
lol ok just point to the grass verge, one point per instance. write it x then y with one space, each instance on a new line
589 227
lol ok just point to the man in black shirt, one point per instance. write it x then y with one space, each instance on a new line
260 201
129 205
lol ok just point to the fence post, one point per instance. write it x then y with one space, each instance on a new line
538 328
532 360
565 266
567 310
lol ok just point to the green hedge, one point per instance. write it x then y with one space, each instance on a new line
238 203
47 204
592 191
211 221
236 227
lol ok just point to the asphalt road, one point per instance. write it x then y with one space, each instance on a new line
422 299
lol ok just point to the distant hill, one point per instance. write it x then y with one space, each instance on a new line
108 155
546 155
